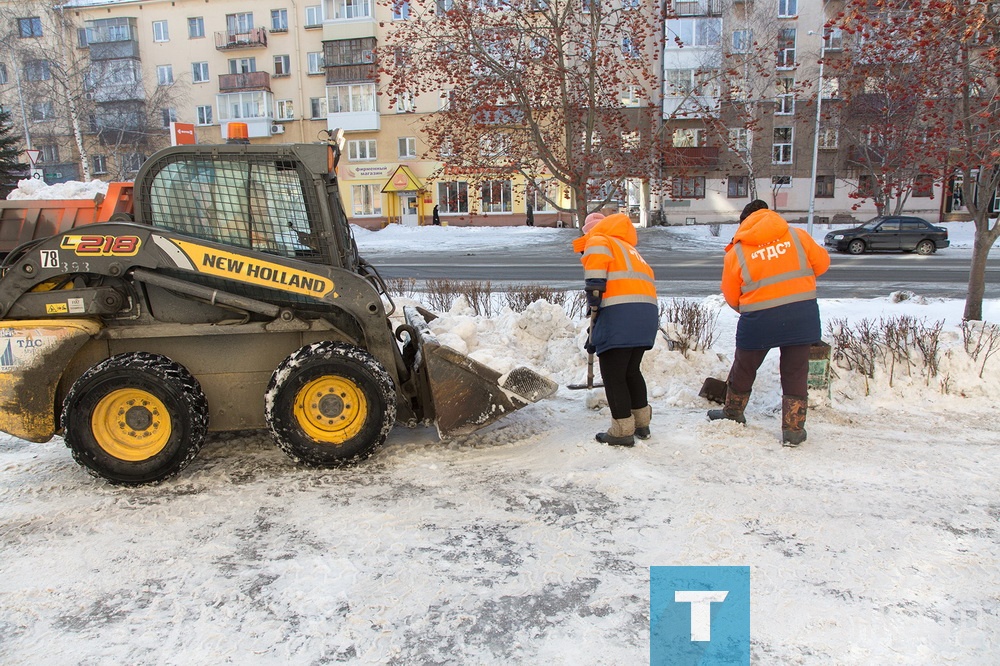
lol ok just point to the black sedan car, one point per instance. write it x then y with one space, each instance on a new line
890 233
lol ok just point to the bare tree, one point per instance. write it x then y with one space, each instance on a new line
535 88
945 52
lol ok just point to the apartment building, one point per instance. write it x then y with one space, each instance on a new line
751 113
746 110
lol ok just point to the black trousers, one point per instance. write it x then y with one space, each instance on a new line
624 384
793 366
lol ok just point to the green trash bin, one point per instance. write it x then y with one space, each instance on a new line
819 366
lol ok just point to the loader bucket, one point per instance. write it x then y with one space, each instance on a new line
33 355
466 394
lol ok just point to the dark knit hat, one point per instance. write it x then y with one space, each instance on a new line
752 207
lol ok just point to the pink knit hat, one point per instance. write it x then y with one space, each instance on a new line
591 221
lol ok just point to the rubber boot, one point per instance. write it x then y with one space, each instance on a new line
736 404
793 420
621 433
642 417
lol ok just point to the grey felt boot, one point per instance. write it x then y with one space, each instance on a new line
621 433
642 417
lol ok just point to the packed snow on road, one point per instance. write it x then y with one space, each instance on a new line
876 542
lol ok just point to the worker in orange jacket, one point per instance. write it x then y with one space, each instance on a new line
769 277
620 285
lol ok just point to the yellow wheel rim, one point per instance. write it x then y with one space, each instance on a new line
330 409
131 424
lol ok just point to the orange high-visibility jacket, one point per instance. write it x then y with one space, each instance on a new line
769 264
609 254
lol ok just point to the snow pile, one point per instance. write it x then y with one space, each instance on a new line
35 188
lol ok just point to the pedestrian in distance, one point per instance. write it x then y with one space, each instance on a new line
435 215
769 277
621 294
530 216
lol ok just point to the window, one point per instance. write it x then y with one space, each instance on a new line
742 41
446 148
242 65
102 31
44 110
363 149
314 16
237 106
3 73
367 200
132 161
631 96
781 181
241 23
81 38
688 138
739 139
160 31
317 107
830 88
833 39
282 66
684 33
196 27
824 186
168 116
453 197
29 27
443 6
204 115
407 146
828 138
279 20
49 154
493 145
866 185
688 188
631 49
786 48
923 185
37 70
351 98
738 187
315 65
286 109
349 9
400 10
405 104
495 196
199 72
785 96
98 164
781 150
788 8
164 75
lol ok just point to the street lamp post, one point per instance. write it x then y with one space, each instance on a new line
815 162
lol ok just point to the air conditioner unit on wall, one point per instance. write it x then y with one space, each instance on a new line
277 129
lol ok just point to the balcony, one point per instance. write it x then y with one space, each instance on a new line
114 50
246 81
691 158
251 39
351 73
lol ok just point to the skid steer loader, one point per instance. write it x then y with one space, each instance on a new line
232 297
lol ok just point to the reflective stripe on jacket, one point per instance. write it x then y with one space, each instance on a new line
770 264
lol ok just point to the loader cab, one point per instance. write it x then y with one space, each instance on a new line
273 199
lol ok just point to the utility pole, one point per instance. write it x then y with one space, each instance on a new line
819 114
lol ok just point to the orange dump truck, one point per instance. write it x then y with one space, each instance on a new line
24 220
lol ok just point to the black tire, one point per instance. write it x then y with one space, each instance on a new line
135 418
926 247
856 246
330 404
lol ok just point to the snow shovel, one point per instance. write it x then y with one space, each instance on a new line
590 359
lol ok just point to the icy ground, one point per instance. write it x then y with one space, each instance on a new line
876 542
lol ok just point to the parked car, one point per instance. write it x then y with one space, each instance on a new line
890 233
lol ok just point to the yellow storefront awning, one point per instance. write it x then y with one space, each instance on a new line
402 180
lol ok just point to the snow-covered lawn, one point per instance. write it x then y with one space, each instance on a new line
876 542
